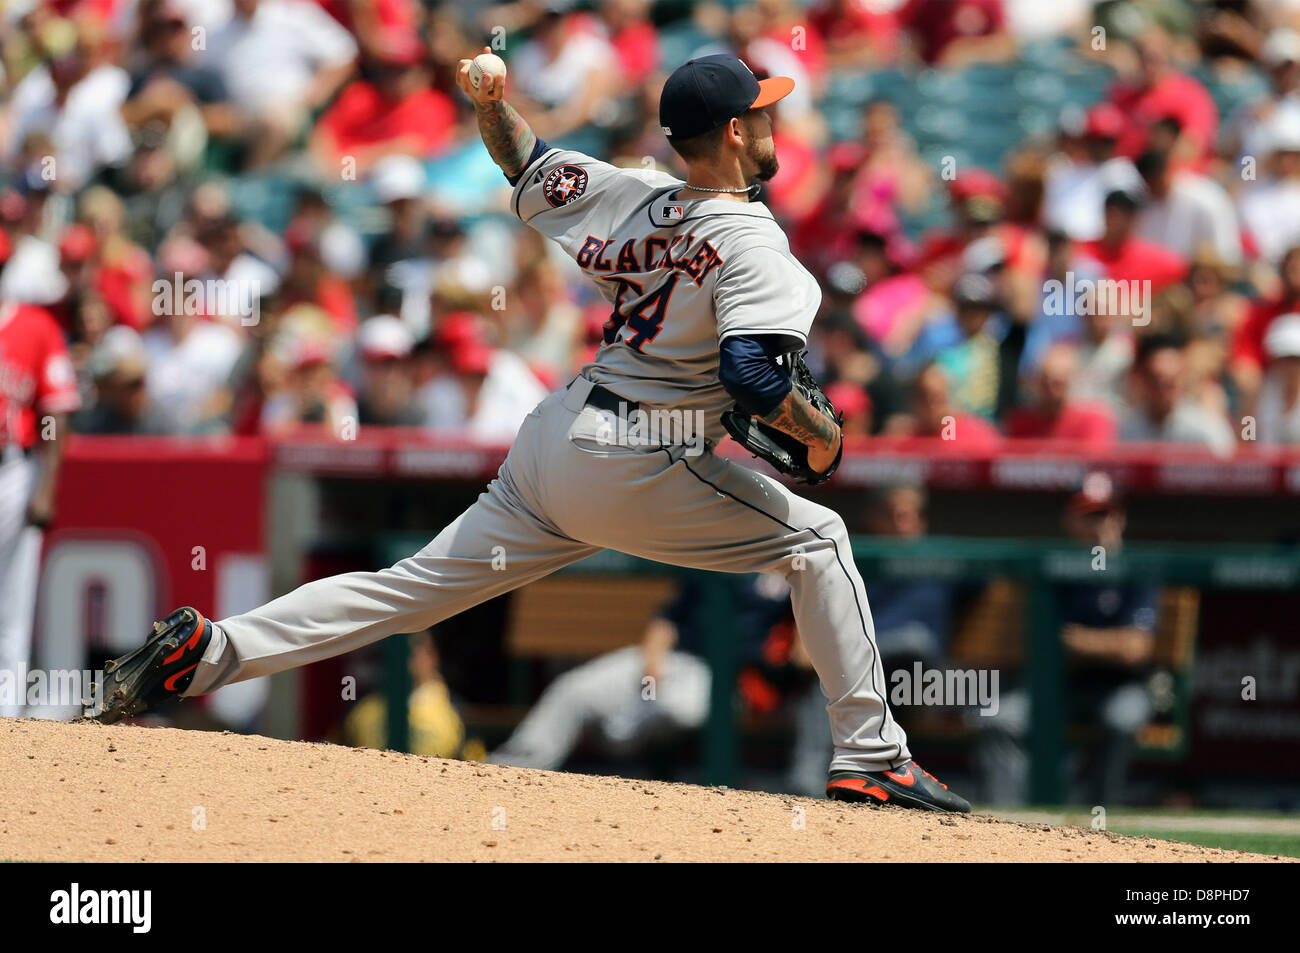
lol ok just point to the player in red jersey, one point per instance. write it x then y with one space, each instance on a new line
38 388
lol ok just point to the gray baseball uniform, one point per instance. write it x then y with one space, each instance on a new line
681 276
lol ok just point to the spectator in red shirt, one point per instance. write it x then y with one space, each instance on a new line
1159 91
1248 358
372 21
394 110
1053 414
934 415
96 258
633 37
789 25
124 273
957 33
853 401
794 190
979 199
1123 255
828 233
309 282
856 34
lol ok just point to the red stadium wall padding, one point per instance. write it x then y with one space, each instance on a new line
144 525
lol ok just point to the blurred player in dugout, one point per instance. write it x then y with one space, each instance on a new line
38 389
636 699
1108 637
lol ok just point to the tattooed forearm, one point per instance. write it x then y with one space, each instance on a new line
508 138
803 421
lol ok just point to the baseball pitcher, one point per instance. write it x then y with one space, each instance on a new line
708 314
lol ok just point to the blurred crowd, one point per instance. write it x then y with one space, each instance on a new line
249 215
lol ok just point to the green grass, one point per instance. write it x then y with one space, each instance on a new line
1286 845
1261 832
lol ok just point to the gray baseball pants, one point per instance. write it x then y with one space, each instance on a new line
564 493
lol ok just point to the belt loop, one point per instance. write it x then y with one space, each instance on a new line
575 395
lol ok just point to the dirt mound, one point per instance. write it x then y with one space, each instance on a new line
86 792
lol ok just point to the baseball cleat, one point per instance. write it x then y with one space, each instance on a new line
908 785
162 668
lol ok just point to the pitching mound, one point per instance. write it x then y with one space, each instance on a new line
85 792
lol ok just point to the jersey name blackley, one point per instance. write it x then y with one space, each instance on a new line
650 254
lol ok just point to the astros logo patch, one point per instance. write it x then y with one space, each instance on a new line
564 185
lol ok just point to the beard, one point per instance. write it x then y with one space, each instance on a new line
764 159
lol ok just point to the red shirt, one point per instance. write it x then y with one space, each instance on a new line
1080 423
362 117
120 281
943 250
807 46
1248 339
798 167
101 10
637 47
1177 95
335 298
937 23
968 433
834 22
388 14
973 433
36 374
1138 260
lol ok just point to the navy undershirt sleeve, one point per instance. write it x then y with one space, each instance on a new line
748 370
538 148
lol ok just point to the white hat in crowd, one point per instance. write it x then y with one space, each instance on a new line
397 177
1283 337
1282 46
385 336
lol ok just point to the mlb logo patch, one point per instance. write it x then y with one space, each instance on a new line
672 212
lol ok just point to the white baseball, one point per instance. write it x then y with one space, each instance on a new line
489 64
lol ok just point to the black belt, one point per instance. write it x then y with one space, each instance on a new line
603 399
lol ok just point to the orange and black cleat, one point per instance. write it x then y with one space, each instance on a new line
162 668
908 785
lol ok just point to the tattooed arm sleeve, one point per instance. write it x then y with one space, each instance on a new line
796 416
509 139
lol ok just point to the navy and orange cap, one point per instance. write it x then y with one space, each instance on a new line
705 93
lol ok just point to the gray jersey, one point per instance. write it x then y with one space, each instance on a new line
680 276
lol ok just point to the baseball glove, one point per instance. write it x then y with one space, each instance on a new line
786 454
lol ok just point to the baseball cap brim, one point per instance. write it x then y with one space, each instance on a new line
772 89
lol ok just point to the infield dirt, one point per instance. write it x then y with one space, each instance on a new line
87 792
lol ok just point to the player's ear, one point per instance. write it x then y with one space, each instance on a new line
736 131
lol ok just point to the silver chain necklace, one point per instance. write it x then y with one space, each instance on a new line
745 191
